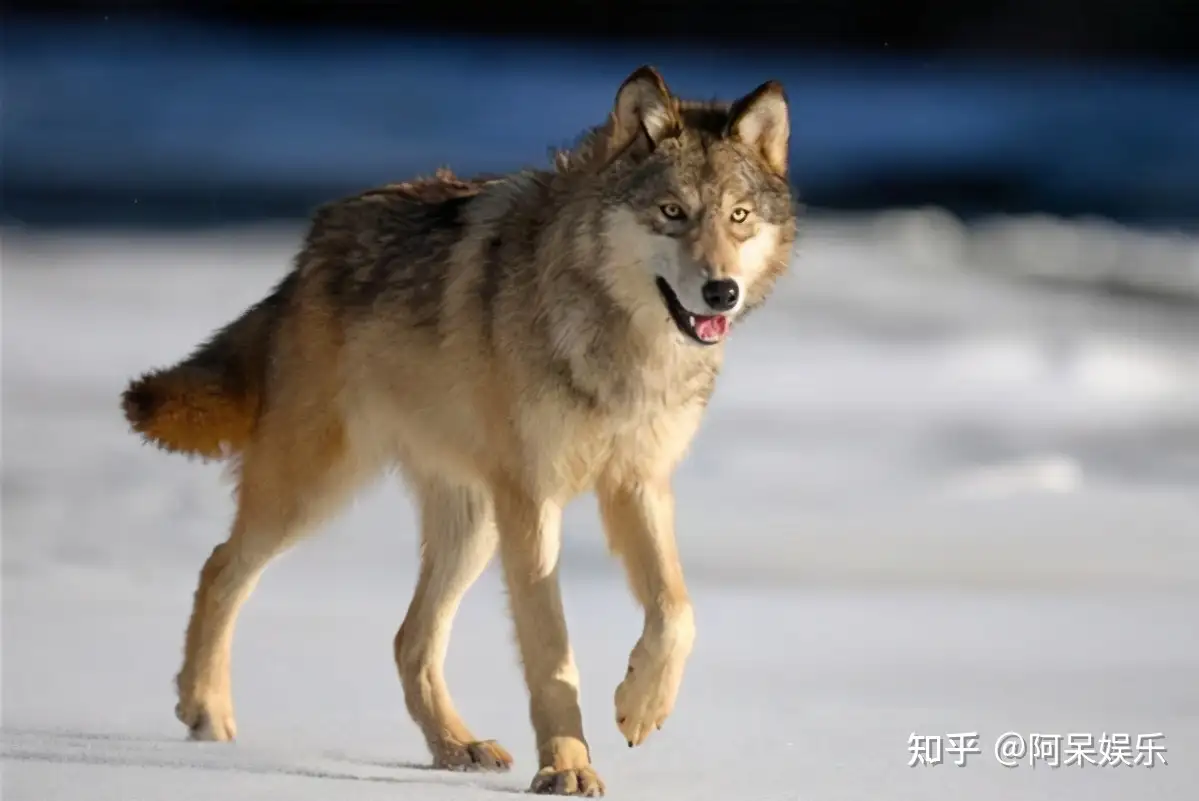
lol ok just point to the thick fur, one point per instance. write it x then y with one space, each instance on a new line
506 343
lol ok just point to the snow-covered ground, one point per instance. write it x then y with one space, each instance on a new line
966 472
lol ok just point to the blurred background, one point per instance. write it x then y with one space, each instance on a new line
999 274
964 433
147 112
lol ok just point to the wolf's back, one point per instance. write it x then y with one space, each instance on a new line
208 404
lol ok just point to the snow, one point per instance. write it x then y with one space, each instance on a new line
947 484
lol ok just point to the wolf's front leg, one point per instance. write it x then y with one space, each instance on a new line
639 522
530 539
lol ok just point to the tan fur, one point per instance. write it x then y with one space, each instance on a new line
506 342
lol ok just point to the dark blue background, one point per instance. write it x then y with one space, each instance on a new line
173 123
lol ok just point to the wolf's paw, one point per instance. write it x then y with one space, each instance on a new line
478 755
571 781
646 696
209 719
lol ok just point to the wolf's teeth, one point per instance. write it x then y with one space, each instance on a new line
691 320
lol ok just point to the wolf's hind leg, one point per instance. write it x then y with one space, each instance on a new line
289 482
458 539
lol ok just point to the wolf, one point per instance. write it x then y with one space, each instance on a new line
504 343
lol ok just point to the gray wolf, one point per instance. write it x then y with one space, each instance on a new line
505 343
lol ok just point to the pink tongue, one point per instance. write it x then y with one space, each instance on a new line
711 328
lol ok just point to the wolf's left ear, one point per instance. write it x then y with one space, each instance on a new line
761 120
643 106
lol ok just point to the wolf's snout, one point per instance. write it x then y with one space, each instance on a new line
721 294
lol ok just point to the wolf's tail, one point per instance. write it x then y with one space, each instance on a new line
208 404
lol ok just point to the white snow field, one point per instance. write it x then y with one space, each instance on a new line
949 483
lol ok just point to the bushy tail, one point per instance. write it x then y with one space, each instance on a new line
208 404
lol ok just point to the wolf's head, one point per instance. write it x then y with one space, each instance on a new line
700 216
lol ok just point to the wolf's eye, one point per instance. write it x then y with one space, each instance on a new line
672 211
739 215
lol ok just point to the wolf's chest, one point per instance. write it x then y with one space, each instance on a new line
628 430
647 442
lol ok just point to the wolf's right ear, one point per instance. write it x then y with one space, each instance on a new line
643 108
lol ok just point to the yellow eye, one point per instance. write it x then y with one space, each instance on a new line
739 215
673 211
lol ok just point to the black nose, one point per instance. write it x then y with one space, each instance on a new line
722 294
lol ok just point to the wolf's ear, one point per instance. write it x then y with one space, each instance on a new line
643 106
762 121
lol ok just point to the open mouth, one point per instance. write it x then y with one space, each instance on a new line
704 329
